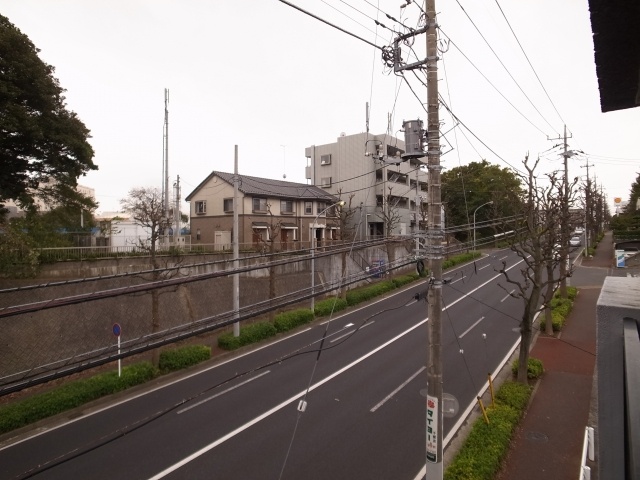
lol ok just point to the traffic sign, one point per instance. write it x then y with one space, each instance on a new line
117 329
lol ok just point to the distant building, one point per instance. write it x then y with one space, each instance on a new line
370 168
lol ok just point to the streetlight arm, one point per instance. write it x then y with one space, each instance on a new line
474 222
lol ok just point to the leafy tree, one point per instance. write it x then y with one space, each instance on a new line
467 187
43 145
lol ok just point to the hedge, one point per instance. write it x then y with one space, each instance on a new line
252 333
179 358
329 305
534 368
481 455
288 320
71 395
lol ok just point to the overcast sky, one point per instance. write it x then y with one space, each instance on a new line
261 75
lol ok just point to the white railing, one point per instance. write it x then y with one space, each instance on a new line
588 449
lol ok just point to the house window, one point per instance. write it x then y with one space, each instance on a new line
260 205
198 234
286 206
325 159
201 207
325 182
308 208
321 207
228 204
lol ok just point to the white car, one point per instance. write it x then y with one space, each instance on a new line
575 241
578 231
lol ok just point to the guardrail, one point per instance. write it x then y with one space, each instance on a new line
588 449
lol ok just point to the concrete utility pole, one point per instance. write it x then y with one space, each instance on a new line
565 228
236 248
165 160
435 231
176 233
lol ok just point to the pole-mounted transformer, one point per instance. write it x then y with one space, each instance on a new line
414 139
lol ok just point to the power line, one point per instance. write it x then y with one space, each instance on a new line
530 64
503 65
330 24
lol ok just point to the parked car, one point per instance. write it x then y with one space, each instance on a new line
578 231
575 241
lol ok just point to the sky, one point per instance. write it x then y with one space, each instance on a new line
266 77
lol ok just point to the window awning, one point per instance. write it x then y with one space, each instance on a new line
289 225
259 225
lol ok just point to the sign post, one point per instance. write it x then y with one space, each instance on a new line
117 330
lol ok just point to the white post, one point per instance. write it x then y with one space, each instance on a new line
119 359
236 248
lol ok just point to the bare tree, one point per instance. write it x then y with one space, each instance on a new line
391 217
268 244
346 231
147 210
535 236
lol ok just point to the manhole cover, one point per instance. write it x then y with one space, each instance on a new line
537 437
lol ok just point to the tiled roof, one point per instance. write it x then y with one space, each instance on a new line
266 187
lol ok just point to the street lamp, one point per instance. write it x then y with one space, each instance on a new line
313 253
474 222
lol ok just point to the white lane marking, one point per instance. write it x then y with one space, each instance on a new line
506 256
205 400
508 295
487 265
351 333
392 394
258 419
461 278
471 327
290 400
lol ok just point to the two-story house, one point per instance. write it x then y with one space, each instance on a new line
293 212
369 168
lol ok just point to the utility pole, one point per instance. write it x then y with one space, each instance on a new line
176 233
414 146
236 248
565 227
588 210
165 160
435 230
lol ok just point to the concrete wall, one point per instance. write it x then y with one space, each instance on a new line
619 298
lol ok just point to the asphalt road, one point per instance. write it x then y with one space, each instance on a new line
365 409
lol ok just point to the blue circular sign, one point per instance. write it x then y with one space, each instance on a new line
117 329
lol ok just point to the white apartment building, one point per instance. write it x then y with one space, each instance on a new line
370 168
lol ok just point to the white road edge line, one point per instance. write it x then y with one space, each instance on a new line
290 400
258 419
392 394
471 327
205 400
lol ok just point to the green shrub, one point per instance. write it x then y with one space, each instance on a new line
327 306
405 279
458 259
183 357
481 455
71 395
362 294
534 367
248 334
288 320
514 394
484 449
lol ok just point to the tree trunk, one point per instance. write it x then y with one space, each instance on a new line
272 282
343 289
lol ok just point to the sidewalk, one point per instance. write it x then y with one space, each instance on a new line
548 442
